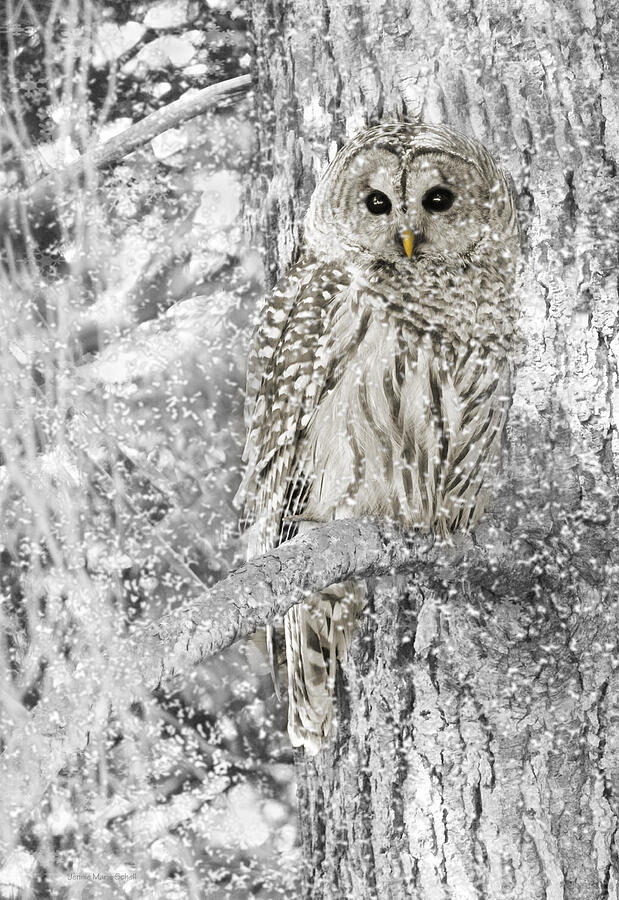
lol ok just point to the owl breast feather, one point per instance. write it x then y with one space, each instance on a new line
411 428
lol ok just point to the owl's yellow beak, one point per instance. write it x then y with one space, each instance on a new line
408 241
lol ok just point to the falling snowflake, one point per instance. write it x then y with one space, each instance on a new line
31 87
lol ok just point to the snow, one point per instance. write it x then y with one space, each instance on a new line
166 14
165 50
114 40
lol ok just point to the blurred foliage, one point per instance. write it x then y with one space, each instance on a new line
126 317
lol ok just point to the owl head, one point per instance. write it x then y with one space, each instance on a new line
406 193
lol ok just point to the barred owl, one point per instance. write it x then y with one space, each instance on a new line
379 374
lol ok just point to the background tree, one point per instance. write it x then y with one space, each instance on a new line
477 755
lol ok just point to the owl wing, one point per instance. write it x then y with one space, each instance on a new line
266 339
291 366
287 372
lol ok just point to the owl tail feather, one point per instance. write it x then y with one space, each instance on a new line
318 633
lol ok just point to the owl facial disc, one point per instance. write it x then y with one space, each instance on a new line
410 195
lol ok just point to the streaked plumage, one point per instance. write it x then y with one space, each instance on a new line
378 383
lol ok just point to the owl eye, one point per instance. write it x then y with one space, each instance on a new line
437 199
378 203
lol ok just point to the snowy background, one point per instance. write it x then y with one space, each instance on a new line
126 316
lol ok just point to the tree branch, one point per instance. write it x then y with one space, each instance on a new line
43 196
263 590
258 593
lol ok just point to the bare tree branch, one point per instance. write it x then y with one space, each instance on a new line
43 196
264 589
261 591
258 593
170 116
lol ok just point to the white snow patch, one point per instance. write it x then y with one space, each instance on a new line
187 329
59 153
166 14
164 50
17 873
170 142
117 126
113 40
196 69
221 200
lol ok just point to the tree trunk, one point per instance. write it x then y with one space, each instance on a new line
477 752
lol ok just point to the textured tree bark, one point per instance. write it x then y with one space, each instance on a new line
477 754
